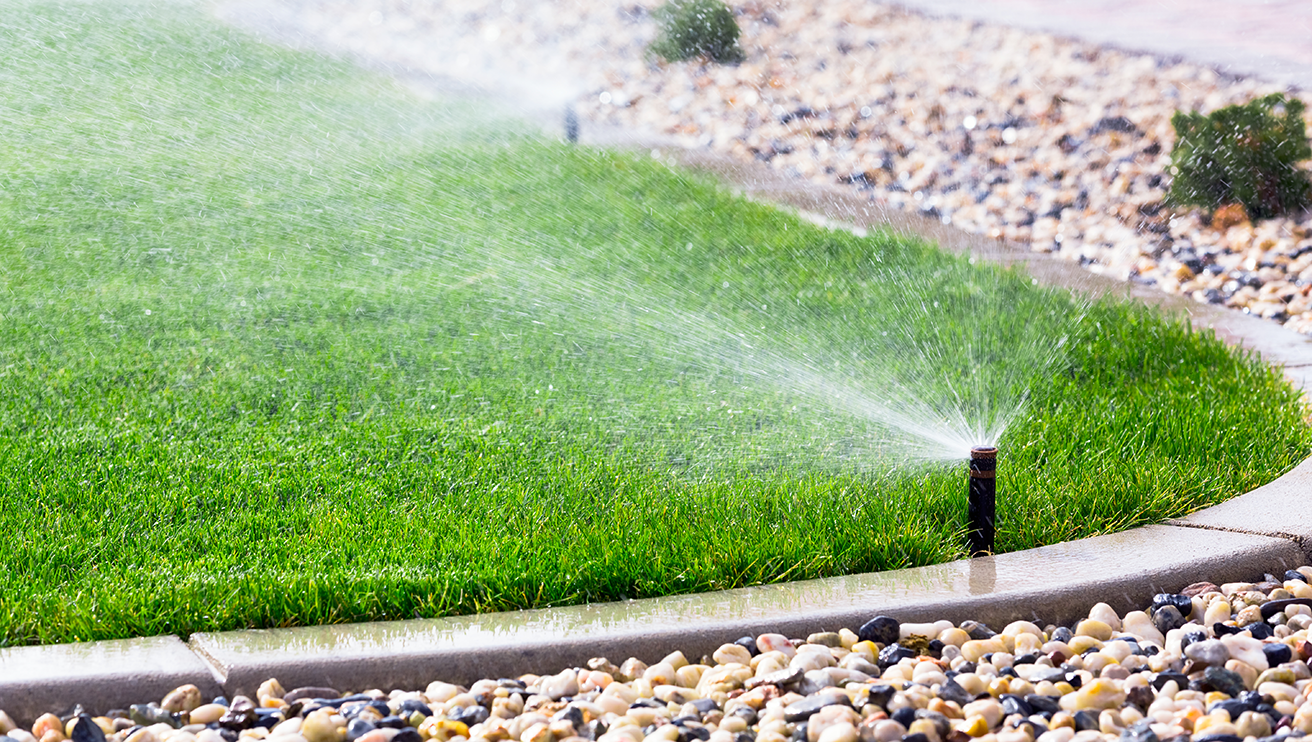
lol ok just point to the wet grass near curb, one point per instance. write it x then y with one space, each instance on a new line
283 343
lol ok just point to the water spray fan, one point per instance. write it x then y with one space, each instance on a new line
981 500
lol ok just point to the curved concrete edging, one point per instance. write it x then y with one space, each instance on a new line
1266 530
1056 583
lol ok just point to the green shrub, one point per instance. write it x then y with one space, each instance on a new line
697 28
1244 154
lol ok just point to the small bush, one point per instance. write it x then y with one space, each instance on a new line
1244 154
697 28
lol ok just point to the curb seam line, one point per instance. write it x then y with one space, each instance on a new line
1298 541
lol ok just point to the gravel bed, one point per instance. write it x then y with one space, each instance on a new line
1050 142
1223 663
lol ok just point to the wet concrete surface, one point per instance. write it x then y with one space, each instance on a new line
108 674
1051 584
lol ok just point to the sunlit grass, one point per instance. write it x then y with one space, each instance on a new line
282 344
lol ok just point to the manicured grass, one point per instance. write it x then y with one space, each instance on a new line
282 343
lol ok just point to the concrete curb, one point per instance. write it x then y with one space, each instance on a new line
1056 583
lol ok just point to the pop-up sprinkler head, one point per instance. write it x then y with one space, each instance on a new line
980 510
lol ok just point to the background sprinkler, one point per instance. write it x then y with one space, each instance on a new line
571 125
980 509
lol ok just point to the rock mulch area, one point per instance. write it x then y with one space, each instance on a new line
1224 663
1054 143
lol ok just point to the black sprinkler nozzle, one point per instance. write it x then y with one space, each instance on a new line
981 515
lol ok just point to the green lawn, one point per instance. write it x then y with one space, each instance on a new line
283 343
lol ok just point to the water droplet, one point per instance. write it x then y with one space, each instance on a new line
1009 135
724 285
866 112
969 122
604 98
147 311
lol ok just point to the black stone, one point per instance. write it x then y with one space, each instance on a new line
951 691
1192 636
746 713
1052 675
803 709
1140 697
572 714
1050 704
699 733
1062 634
1277 654
650 703
228 735
381 707
705 705
748 643
1269 712
904 716
1253 698
395 722
409 734
1272 607
977 630
1219 738
1118 124
1140 731
267 718
358 728
147 714
747 736
880 695
86 730
786 676
1181 680
880 630
1167 618
1224 681
799 733
915 737
593 729
1025 659
1014 704
893 654
1183 603
411 705
1232 706
238 719
1260 631
967 667
1293 574
1085 720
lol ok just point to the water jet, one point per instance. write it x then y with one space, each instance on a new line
980 508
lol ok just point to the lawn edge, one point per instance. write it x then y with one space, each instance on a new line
1057 583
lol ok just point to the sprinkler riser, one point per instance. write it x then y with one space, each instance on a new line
981 501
